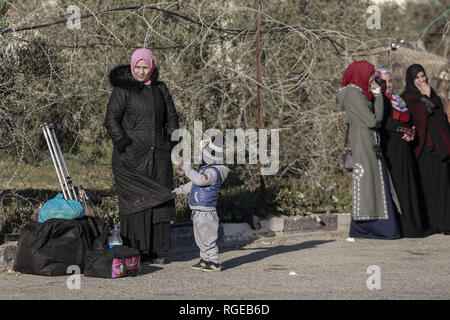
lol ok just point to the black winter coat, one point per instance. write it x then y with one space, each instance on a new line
140 120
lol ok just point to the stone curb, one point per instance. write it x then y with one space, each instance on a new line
3 263
183 235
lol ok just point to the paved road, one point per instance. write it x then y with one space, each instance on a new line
294 267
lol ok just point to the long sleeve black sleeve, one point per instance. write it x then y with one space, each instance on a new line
113 120
172 115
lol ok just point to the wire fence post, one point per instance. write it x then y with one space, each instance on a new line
259 98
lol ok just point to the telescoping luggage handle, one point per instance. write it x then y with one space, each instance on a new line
58 161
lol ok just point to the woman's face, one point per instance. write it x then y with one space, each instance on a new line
420 79
388 79
141 71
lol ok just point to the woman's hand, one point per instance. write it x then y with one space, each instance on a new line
425 89
374 87
123 143
408 133
407 137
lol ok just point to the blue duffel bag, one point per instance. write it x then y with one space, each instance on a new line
60 208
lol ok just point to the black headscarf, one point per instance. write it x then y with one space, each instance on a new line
411 74
434 123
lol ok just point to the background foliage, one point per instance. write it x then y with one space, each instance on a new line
205 51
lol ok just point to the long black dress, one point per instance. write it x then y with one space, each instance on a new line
435 178
432 149
400 161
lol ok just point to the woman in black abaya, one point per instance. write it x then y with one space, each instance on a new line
432 148
397 135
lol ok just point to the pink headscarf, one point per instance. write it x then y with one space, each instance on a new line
147 56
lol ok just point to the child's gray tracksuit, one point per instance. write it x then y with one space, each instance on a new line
204 187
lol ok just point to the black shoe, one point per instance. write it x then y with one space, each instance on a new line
146 259
212 267
199 265
445 232
159 260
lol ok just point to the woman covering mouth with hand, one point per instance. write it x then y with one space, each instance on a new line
432 148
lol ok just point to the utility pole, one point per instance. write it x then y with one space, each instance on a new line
259 99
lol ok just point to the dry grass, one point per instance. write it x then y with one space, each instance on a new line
24 176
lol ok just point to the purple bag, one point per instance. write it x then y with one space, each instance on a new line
122 267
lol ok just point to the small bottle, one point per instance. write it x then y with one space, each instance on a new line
115 239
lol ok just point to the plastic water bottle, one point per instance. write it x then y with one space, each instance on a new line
115 239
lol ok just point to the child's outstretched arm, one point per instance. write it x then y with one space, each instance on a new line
184 189
201 180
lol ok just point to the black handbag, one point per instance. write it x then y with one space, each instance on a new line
115 262
347 156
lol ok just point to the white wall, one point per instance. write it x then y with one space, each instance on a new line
401 3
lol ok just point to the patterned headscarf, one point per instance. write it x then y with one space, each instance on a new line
379 73
400 111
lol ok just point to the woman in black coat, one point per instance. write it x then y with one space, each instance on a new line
432 148
140 119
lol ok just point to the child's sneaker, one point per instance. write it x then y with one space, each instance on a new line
211 267
200 265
